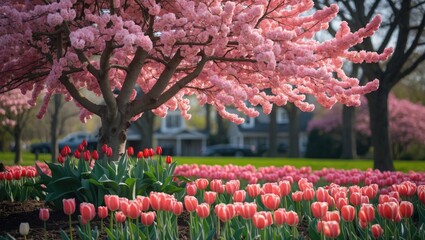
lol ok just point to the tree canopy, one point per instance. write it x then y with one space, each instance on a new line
227 53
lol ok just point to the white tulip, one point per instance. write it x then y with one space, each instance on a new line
24 228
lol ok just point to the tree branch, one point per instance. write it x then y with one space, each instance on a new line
86 103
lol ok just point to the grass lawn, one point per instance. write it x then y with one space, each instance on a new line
315 164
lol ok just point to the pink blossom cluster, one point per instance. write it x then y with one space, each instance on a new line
226 53
13 104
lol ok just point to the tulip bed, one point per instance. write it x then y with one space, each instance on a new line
143 195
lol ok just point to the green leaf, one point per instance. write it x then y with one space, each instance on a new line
64 236
108 183
170 189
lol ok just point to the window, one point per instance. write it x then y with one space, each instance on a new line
172 122
249 122
282 116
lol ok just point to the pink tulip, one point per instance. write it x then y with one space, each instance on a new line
112 202
279 216
348 213
262 220
69 206
201 183
44 214
203 210
210 197
102 212
87 211
120 217
319 209
253 190
133 210
178 208
147 218
190 203
247 210
239 196
191 189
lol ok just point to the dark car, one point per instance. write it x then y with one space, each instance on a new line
72 140
227 150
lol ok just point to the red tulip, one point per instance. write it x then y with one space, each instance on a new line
284 187
120 217
297 196
201 183
102 212
232 186
158 150
84 143
104 148
148 218
112 202
239 196
262 220
348 213
191 189
271 188
155 200
279 216
367 213
77 154
168 159
144 203
60 159
332 216
130 151
203 210
95 155
355 198
80 148
87 211
270 200
68 206
319 209
248 210
406 209
9 176
322 194
145 153
133 210
109 152
66 150
190 203
178 208
217 186
253 190
87 155
44 214
376 230
388 210
292 218
331 229
139 155
151 152
225 212
210 197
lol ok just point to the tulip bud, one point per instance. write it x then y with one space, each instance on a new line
24 228
168 159
130 151
68 206
158 150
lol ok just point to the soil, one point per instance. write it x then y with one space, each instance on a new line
13 213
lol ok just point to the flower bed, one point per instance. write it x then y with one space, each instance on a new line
145 196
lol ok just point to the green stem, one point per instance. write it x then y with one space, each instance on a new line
101 225
45 230
408 229
70 226
89 229
111 221
218 227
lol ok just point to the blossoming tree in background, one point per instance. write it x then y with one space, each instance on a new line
407 125
226 53
14 112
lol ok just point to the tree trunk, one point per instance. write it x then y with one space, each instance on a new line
379 125
294 130
221 130
349 148
54 126
272 152
114 134
17 132
145 126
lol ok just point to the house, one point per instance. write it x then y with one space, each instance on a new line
254 132
177 139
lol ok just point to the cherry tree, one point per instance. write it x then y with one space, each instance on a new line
14 113
407 125
226 53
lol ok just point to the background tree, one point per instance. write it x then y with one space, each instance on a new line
227 53
407 125
403 27
14 113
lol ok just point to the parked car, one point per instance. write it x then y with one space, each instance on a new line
72 140
227 150
263 149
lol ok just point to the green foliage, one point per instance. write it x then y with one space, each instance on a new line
125 178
